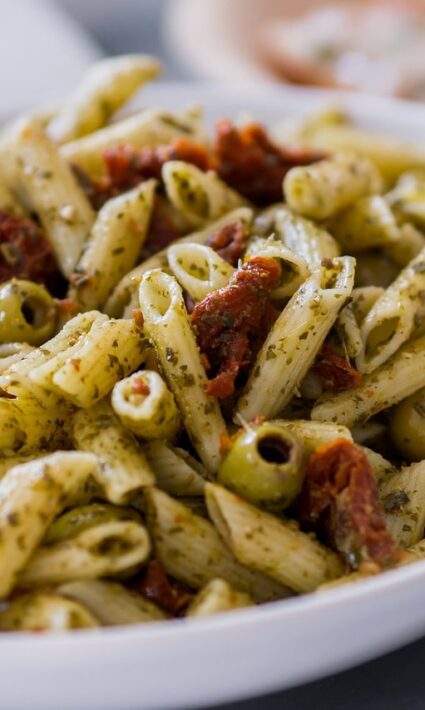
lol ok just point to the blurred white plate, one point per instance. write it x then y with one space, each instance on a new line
183 664
219 39
42 54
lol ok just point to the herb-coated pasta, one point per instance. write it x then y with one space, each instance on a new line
194 422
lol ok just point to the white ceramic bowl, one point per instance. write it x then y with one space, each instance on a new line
183 664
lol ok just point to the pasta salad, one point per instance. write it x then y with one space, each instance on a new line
212 359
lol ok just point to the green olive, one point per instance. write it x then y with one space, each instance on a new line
264 466
27 312
407 426
83 517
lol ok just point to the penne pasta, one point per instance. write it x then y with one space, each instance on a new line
124 469
107 550
367 223
217 596
49 188
352 316
198 268
125 295
176 472
87 371
111 603
294 269
200 197
45 611
392 318
321 190
301 328
144 405
272 546
213 426
105 87
409 244
305 238
165 322
113 246
31 495
191 550
399 377
403 500
151 127
391 155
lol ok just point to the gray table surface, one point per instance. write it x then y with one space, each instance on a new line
396 680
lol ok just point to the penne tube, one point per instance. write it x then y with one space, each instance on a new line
217 596
392 318
45 611
104 88
9 461
151 127
31 495
381 468
176 472
16 379
144 405
398 378
190 549
124 469
111 603
27 423
365 224
352 316
49 188
10 353
407 427
295 339
391 155
106 550
85 372
125 295
409 244
83 517
321 190
274 546
198 268
311 434
113 246
407 198
167 325
305 238
294 269
200 197
403 501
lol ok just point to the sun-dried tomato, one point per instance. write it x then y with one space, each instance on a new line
25 251
155 585
229 242
341 496
139 386
336 372
162 228
127 166
251 163
232 322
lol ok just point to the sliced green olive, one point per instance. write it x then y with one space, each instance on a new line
83 517
27 312
264 466
407 426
